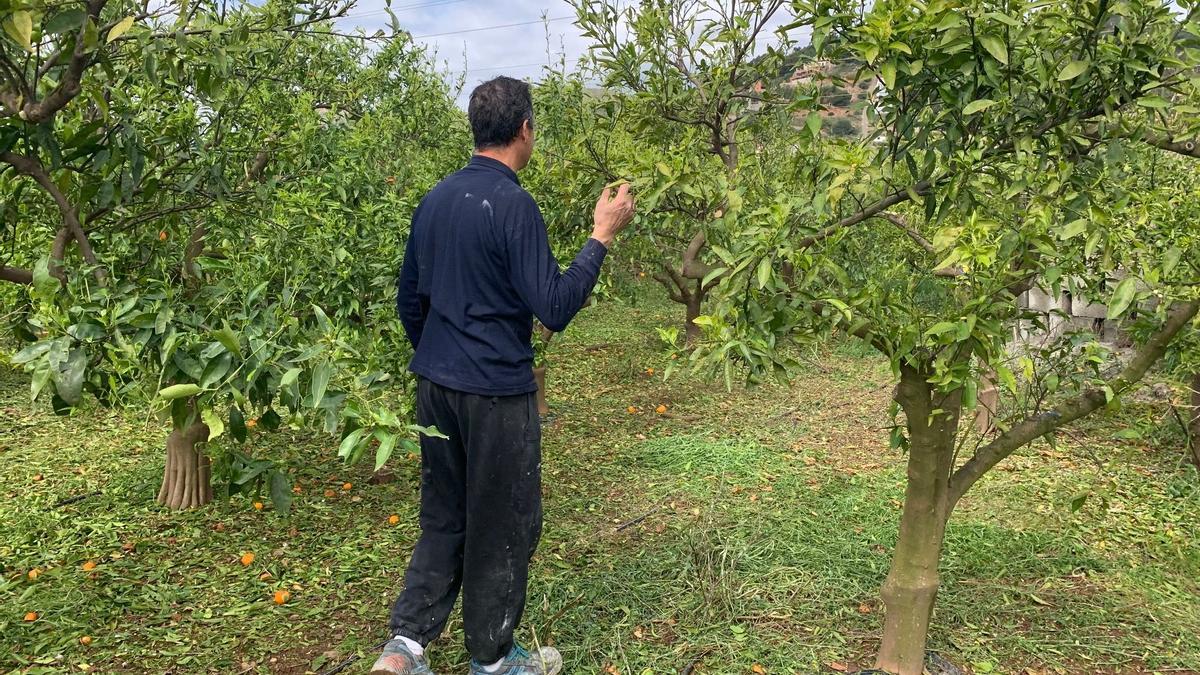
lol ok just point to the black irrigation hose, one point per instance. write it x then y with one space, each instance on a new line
76 498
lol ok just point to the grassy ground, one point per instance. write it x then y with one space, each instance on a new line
739 529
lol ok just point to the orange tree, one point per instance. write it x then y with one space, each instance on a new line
1006 138
703 127
202 218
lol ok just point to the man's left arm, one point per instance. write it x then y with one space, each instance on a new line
411 307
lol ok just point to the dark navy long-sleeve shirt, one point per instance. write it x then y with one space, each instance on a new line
477 269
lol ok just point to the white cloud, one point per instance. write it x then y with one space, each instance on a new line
518 51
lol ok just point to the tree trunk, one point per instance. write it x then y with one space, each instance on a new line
912 584
539 375
692 302
187 476
1194 422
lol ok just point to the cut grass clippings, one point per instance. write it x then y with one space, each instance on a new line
729 528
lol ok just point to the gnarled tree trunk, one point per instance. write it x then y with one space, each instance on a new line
693 302
912 584
187 476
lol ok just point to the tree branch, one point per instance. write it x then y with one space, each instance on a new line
16 275
1179 316
866 213
33 168
899 222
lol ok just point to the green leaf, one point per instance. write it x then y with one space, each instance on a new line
387 443
45 286
1072 70
1078 500
347 450
281 492
120 29
237 424
996 47
320 382
68 377
216 426
713 275
978 106
813 123
31 353
1153 102
227 337
322 319
764 272
216 369
289 377
69 20
1074 229
19 27
1171 259
888 73
432 432
941 327
1122 297
179 391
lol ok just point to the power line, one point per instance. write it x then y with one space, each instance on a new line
514 66
483 28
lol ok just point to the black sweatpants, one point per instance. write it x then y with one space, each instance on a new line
481 518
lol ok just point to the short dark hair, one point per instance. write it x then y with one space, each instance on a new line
497 109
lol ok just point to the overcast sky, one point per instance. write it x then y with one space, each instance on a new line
518 51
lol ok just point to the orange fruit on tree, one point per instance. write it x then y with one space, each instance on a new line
85 640
296 489
393 520
88 566
34 573
347 486
258 506
252 422
661 409
38 476
631 410
247 558
282 596
162 235
31 616
649 371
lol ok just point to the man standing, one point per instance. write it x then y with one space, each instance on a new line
477 269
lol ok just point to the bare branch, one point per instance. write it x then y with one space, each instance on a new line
16 275
1179 316
33 168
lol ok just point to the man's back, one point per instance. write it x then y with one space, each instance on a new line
477 268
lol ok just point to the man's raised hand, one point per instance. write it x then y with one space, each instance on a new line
612 214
